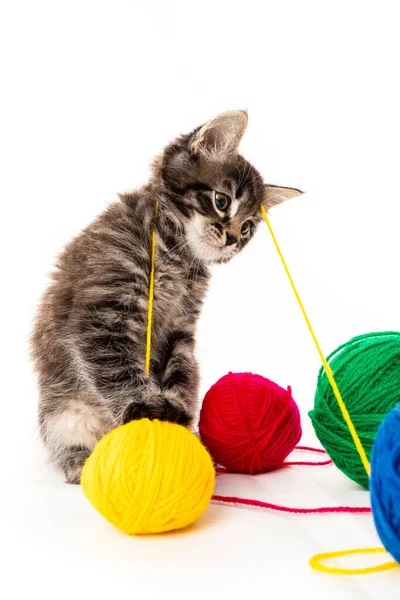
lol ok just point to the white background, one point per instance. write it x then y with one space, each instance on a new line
90 92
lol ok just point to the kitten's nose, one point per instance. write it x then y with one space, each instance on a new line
230 239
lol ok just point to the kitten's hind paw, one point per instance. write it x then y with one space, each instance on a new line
72 463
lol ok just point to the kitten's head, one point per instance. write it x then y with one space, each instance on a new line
213 191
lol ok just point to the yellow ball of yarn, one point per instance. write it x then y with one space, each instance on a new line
149 477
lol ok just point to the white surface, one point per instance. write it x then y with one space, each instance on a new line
90 92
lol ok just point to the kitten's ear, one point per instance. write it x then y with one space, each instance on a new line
220 136
274 194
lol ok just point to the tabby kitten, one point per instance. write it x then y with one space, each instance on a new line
89 338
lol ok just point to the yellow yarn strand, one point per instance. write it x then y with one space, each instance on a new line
316 562
151 297
328 370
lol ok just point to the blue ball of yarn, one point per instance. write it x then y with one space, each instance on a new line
385 482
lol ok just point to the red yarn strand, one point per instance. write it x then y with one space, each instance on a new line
235 500
304 463
294 463
310 449
286 509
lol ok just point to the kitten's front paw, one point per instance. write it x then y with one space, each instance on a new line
159 407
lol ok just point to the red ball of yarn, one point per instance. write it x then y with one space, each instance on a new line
248 423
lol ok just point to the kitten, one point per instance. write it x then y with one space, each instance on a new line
89 338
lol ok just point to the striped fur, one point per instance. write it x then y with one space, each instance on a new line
88 343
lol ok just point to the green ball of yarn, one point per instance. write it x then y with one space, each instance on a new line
367 372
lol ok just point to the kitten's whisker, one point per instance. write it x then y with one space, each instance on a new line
170 255
247 174
255 178
239 177
242 178
197 270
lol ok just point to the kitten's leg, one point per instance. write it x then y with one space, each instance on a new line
111 347
111 350
178 379
70 431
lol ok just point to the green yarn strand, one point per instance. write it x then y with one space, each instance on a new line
367 371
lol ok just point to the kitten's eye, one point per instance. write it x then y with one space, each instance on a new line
245 228
222 201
